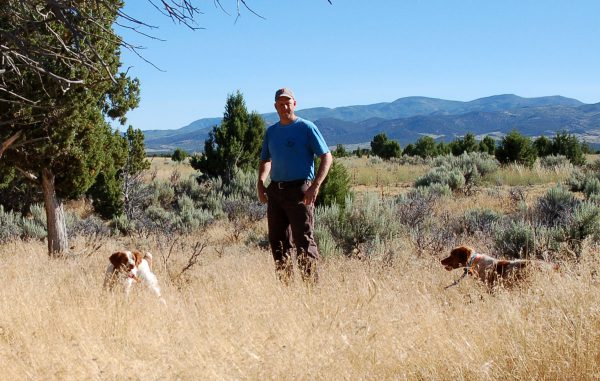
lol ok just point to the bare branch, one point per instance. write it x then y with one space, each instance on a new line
27 175
7 143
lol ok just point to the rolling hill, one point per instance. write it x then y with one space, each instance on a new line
407 119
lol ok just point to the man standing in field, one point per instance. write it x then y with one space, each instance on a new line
288 153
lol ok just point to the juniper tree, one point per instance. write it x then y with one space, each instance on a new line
63 151
236 143
467 143
516 148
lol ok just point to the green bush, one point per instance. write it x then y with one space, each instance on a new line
179 155
354 229
585 223
514 239
459 172
554 161
10 226
336 187
576 181
591 187
555 207
478 220
516 148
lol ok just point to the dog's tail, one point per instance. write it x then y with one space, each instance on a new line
148 258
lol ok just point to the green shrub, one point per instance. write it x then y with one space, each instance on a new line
354 228
89 226
164 194
555 207
585 223
336 187
10 226
514 239
554 161
459 172
478 220
123 225
577 180
591 187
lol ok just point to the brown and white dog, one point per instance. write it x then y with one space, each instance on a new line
129 267
488 269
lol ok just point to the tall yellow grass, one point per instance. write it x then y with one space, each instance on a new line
232 320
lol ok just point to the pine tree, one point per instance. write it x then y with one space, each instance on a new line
236 143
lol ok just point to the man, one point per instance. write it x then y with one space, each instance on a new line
288 152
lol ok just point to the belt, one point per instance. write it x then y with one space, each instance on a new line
289 184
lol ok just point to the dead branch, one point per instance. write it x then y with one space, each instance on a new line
7 143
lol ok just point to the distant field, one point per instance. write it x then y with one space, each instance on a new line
162 168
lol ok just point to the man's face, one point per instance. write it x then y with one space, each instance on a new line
285 108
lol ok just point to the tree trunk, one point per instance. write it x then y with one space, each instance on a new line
58 242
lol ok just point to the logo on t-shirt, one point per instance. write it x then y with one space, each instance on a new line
289 143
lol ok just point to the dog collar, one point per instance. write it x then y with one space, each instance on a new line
472 260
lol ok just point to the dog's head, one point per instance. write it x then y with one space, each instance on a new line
458 258
124 261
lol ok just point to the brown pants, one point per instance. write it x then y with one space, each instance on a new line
290 221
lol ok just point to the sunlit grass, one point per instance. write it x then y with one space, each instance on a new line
519 175
162 168
229 318
374 172
233 320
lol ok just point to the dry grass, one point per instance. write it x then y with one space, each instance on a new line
519 175
163 168
374 172
232 320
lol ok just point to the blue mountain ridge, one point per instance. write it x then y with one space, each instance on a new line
407 119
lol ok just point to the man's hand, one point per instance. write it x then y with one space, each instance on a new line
262 192
310 196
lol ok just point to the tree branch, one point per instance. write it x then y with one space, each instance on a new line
7 143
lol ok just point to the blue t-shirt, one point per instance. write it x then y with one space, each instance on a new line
292 149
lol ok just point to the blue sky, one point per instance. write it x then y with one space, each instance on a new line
362 52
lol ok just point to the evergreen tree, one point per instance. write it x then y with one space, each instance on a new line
236 143
443 149
391 148
336 186
516 148
425 147
127 159
339 151
385 148
467 143
179 155
64 151
543 146
568 145
378 143
409 150
488 145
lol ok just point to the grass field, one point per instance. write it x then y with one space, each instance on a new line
232 320
229 318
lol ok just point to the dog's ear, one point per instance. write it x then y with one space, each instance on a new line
138 256
116 259
461 253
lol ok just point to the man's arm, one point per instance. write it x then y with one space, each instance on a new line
264 168
311 193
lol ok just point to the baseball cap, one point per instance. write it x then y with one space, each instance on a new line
284 92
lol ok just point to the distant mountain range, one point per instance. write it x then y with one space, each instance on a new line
408 119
